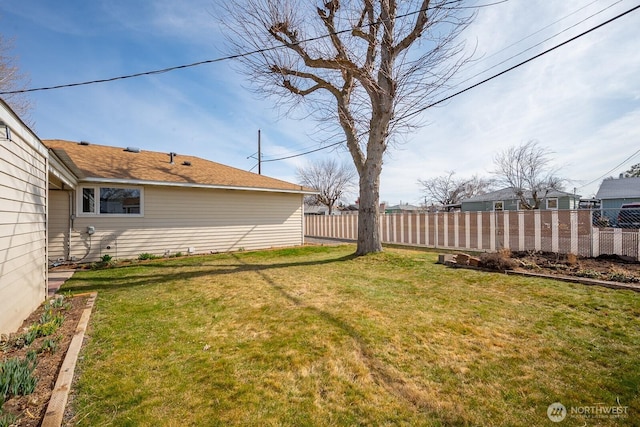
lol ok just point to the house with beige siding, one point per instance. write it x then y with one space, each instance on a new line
65 201
24 163
129 201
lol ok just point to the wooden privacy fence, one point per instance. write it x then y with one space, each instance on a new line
558 231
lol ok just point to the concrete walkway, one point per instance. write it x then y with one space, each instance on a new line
57 278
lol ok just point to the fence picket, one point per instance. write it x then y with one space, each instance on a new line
559 231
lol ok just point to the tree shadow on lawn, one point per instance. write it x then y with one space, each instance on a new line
383 373
103 282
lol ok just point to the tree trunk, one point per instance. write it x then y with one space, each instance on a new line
368 211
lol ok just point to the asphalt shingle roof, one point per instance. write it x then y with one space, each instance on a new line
621 188
115 163
509 194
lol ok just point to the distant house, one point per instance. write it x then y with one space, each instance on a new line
406 208
66 201
316 210
506 200
613 193
128 201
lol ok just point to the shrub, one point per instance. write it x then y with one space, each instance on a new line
497 261
146 256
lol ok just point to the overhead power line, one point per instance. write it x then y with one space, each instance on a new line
610 170
229 57
433 104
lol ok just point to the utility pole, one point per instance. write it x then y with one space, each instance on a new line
259 155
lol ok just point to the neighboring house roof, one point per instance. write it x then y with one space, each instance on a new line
315 209
621 188
100 163
403 208
510 194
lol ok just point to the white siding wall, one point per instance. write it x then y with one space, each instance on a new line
177 219
23 207
59 211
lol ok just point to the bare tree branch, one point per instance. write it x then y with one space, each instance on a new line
359 65
12 79
527 170
447 190
331 179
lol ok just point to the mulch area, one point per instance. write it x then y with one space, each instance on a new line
30 409
612 268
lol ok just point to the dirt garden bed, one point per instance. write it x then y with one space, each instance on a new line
605 268
49 351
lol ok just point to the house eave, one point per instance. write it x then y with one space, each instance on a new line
192 185
58 169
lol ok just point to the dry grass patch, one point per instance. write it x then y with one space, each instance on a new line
314 336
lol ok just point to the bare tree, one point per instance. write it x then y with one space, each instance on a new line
330 178
528 171
364 67
12 80
447 190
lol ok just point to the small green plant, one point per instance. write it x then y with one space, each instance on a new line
16 376
617 275
106 260
58 302
49 345
145 256
6 420
588 273
178 254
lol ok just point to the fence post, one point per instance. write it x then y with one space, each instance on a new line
467 230
426 228
617 241
505 229
456 230
435 229
492 231
595 242
555 238
479 224
573 222
445 229
521 231
537 230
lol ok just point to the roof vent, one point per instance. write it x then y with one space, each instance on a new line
171 156
185 163
84 143
132 149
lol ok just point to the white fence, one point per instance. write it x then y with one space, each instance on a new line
564 231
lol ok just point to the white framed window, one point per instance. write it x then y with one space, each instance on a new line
111 200
552 203
498 205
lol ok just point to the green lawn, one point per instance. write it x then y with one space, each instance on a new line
314 336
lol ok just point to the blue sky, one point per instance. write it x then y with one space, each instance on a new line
581 101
